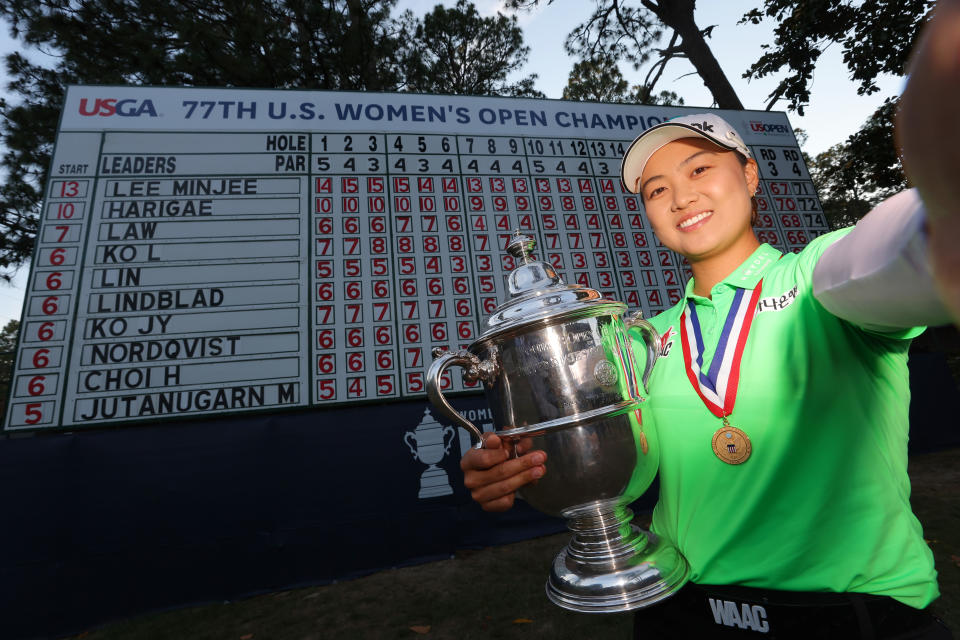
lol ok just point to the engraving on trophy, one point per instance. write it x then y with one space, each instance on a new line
429 445
554 361
606 373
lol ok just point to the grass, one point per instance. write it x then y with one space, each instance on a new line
492 593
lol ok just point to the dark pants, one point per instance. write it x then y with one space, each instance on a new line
705 611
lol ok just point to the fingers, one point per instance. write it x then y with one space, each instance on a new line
494 452
523 445
493 476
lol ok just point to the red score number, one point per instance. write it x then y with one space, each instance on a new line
41 358
386 385
35 386
69 189
33 413
45 331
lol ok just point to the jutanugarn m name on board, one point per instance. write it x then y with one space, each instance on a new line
186 401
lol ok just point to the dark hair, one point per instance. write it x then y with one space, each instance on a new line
753 199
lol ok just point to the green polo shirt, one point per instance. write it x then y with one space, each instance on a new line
823 502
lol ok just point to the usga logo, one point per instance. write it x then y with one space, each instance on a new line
112 106
773 129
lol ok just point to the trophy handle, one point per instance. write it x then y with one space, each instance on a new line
442 360
407 437
453 434
651 339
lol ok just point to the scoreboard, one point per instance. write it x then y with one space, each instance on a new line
210 251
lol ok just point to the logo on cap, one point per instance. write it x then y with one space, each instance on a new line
703 126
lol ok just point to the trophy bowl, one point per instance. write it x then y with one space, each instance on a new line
558 370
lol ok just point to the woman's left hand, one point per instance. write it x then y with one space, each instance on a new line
928 135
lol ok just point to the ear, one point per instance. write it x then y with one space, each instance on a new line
752 175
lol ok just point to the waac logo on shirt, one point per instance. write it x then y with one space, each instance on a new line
111 106
743 616
665 342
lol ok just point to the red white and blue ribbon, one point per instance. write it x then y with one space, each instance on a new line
717 387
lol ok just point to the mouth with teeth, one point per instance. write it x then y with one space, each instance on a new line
687 223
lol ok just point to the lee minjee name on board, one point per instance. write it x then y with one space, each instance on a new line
184 187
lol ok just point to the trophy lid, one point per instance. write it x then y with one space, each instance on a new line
537 294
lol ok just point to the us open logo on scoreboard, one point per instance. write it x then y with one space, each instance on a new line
205 251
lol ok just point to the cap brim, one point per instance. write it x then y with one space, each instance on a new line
649 142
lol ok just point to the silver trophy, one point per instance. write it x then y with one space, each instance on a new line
558 370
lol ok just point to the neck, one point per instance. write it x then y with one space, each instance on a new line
709 271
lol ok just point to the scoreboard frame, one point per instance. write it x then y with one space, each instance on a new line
204 252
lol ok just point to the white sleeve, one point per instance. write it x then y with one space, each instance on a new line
878 276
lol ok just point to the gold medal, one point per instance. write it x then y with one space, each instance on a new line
731 444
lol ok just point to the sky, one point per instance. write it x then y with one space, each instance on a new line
835 109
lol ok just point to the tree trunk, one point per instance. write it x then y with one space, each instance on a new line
309 76
678 15
360 43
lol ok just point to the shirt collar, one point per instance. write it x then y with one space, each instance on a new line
750 271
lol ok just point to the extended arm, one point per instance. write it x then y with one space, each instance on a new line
879 275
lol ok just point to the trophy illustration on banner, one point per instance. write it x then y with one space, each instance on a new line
558 372
429 445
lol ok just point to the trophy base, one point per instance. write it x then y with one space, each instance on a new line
612 566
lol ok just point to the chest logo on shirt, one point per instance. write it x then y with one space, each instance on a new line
665 342
777 303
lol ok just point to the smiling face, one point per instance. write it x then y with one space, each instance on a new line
698 199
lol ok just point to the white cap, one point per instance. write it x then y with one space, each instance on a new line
706 125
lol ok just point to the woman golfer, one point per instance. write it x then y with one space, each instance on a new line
781 397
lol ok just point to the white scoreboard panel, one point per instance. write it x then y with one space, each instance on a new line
207 251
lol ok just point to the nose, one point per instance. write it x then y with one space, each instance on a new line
683 196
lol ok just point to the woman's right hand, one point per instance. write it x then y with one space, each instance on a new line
493 475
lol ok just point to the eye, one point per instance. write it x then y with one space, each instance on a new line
655 192
700 170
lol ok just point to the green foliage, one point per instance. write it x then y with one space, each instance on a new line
876 37
307 44
855 175
665 98
599 79
596 79
459 52
875 147
8 348
618 32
